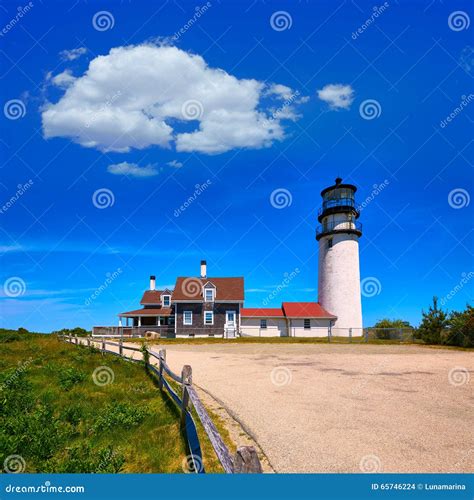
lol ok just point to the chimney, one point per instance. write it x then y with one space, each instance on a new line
152 282
203 269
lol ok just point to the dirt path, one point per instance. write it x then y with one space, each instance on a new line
344 408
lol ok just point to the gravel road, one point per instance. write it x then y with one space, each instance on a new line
344 408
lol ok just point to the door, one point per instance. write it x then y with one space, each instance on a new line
230 323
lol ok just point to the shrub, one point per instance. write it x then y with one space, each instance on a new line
120 414
85 459
6 337
80 332
384 327
69 377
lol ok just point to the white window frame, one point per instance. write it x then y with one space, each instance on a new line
212 318
213 293
169 300
263 324
304 324
184 318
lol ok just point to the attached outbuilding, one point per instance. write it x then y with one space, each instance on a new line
293 319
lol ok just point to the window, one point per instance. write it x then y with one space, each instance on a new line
329 243
263 324
166 300
187 317
307 324
209 294
208 318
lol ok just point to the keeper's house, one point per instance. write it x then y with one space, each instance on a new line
213 307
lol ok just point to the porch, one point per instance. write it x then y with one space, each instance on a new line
164 331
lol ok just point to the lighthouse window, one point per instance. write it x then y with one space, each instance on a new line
307 324
330 243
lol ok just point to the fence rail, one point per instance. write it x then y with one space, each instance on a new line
245 459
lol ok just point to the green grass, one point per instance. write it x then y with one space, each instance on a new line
56 418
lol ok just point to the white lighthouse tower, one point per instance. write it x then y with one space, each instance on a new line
338 275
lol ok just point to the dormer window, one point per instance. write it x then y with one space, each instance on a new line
166 300
209 294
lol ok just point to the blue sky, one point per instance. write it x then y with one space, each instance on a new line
57 247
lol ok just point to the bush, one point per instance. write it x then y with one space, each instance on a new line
384 327
80 332
9 336
120 414
69 377
85 459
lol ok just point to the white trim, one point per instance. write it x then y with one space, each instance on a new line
184 318
235 317
201 301
213 293
212 315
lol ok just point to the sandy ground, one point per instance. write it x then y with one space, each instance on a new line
344 408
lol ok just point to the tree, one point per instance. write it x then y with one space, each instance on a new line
433 324
461 328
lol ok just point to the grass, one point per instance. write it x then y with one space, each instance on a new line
58 419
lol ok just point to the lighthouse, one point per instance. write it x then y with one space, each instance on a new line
338 235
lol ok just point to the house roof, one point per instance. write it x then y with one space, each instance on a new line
152 311
305 310
152 297
227 289
267 312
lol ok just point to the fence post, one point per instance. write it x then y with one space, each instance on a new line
77 340
187 377
162 360
246 461
350 335
103 344
88 341
366 335
121 347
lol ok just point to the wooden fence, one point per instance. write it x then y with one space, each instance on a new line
245 459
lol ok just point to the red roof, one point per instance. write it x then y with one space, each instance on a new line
152 311
154 296
227 289
305 310
252 312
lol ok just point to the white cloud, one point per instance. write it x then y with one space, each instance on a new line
157 90
175 164
133 170
63 79
71 55
337 95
